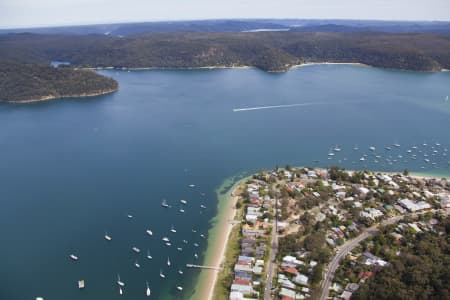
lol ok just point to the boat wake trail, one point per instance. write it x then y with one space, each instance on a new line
275 106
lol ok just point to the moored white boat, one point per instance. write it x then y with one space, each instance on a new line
120 282
164 203
147 291
73 257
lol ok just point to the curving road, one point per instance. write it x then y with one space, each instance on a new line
351 244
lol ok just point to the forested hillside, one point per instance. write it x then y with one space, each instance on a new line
25 82
270 51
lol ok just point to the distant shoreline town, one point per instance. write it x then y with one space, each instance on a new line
304 233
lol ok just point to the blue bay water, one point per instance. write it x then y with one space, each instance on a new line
71 170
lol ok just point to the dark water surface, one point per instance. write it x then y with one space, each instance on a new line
71 170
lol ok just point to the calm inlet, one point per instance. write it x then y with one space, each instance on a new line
87 177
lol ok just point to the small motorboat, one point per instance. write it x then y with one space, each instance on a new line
107 237
136 249
73 257
164 203
183 201
81 284
148 255
179 288
149 232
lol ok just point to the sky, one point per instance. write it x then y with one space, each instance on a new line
34 13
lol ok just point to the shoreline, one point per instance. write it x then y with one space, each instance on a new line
221 67
218 240
51 97
221 230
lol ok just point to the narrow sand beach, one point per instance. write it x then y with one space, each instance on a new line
217 243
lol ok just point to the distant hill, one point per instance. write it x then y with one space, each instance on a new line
240 25
25 73
269 51
28 83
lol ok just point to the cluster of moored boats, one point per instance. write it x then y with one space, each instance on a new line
167 243
431 155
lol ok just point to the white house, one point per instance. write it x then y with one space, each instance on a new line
301 279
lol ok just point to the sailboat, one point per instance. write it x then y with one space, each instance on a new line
446 99
180 272
149 232
119 282
147 292
164 203
168 262
161 274
148 254
172 229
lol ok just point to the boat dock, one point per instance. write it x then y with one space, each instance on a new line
204 267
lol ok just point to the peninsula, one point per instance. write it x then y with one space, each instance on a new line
293 227
23 83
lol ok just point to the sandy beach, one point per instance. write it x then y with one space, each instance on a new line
329 63
217 243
